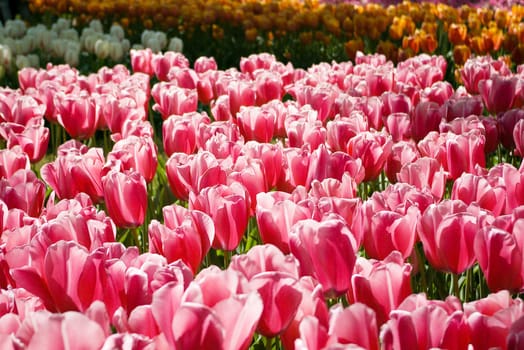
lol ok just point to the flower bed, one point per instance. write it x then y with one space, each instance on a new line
183 206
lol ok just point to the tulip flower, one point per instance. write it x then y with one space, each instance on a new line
373 148
23 190
382 285
229 207
12 160
125 196
409 325
171 99
256 123
179 133
136 153
498 92
162 63
78 114
423 173
311 242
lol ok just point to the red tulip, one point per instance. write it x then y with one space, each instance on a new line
426 117
229 208
125 196
506 123
311 242
381 284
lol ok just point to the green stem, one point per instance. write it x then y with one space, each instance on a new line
136 240
422 269
455 283
269 343
227 258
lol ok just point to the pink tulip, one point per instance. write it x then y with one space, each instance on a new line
271 157
389 231
447 231
321 98
256 61
125 196
74 171
33 138
518 138
311 242
264 258
23 109
189 239
192 173
162 63
399 126
203 64
220 109
141 61
419 323
480 68
491 320
268 86
205 87
381 284
229 208
340 130
508 177
344 323
498 92
281 299
514 340
439 92
23 190
78 114
276 213
464 153
12 160
256 123
171 99
373 148
393 103
473 188
70 330
116 111
499 254
312 335
179 133
402 153
183 76
423 173
380 80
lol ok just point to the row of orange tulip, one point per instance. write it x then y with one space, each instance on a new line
399 31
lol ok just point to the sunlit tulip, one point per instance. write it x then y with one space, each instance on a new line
125 196
162 63
498 92
23 190
373 148
12 160
172 99
229 208
381 284
311 242
343 323
78 114
76 171
480 68
473 188
33 138
423 173
409 327
256 123
492 318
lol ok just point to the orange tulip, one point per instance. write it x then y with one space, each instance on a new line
457 33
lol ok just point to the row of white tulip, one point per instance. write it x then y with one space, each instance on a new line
22 46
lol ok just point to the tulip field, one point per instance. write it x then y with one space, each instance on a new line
153 199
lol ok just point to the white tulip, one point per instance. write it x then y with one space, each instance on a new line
58 47
146 35
72 56
117 31
22 61
34 60
96 25
6 56
126 45
102 48
162 39
154 45
69 34
176 45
